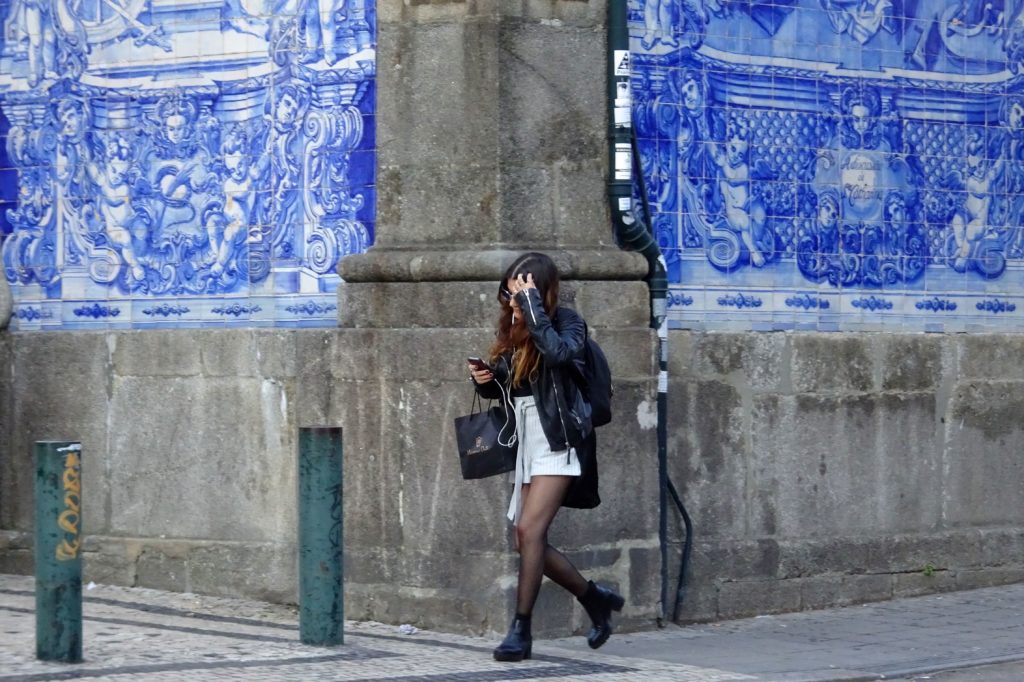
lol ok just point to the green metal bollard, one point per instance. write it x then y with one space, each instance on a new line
321 589
58 545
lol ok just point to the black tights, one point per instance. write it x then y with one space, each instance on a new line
541 500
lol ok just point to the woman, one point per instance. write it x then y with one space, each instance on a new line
532 368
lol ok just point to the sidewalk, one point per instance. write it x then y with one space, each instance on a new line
133 633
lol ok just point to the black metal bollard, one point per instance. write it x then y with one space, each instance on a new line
58 490
321 588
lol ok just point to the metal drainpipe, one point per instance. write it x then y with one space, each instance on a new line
632 234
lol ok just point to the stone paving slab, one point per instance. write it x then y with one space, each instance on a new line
873 641
133 633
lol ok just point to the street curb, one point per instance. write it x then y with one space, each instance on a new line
952 665
830 675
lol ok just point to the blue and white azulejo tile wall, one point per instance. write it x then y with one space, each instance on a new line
184 162
835 164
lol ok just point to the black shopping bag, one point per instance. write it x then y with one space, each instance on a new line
487 441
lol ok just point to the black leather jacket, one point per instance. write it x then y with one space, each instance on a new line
564 414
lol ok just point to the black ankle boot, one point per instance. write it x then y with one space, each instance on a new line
599 602
518 643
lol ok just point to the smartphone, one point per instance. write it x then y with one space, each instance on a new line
479 364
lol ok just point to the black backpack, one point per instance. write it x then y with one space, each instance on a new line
595 382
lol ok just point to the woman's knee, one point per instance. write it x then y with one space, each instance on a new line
528 534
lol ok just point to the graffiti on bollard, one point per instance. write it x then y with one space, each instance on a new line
58 550
70 545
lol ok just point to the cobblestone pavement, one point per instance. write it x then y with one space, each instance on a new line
134 633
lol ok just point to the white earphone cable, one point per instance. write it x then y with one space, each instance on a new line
507 401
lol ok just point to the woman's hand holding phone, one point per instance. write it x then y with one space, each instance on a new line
480 370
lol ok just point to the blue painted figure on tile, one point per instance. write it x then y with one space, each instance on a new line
1012 115
180 190
50 33
30 25
71 169
659 24
1013 38
280 213
860 19
150 165
744 212
125 229
972 222
333 28
243 168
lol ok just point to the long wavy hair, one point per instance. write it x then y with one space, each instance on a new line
516 339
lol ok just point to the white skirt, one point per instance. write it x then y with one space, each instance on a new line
534 456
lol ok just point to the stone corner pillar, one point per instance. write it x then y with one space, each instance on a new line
491 142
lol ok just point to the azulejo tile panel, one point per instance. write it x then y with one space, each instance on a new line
825 164
192 163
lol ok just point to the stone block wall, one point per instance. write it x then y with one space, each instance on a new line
820 469
826 469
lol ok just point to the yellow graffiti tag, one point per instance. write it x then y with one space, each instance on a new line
71 480
67 551
69 518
